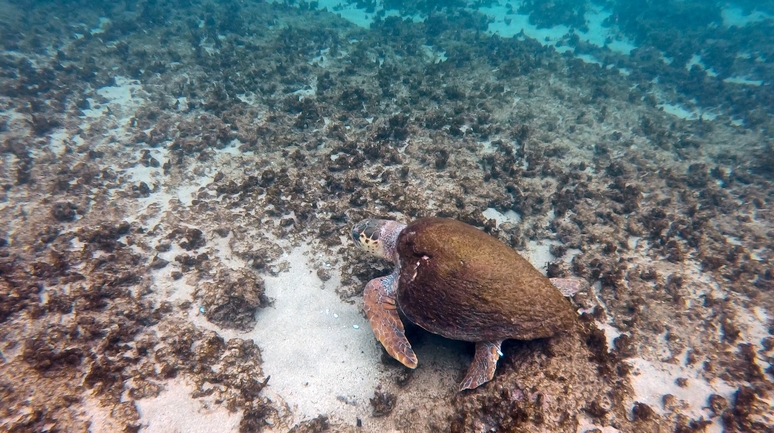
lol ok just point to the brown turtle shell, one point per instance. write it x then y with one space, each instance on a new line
461 283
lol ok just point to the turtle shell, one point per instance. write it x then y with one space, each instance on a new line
463 284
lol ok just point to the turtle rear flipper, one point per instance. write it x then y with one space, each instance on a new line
482 369
382 312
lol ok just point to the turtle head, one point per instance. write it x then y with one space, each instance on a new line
378 237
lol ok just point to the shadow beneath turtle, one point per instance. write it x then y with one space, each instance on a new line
450 359
441 360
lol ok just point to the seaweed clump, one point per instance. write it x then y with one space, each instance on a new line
231 300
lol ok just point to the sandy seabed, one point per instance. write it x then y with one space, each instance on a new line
179 182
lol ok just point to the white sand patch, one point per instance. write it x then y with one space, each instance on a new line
360 16
511 24
319 351
588 58
149 175
204 174
121 100
697 61
57 140
233 150
222 249
611 332
165 286
753 328
124 93
486 147
152 209
652 381
322 59
433 55
306 91
504 24
586 424
174 411
98 416
678 110
735 16
601 36
743 81
346 10
570 254
686 112
350 12
187 193
103 24
12 118
509 216
538 253
115 109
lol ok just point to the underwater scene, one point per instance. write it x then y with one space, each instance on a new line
387 216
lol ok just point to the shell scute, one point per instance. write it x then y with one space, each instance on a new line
461 283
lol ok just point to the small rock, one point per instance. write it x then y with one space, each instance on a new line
158 263
717 404
230 301
323 274
163 247
64 212
142 189
642 411
382 403
194 238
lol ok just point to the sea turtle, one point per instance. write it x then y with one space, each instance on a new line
458 282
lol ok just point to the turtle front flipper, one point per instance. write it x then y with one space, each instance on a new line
482 369
382 312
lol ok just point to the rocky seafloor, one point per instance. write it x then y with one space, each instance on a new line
174 174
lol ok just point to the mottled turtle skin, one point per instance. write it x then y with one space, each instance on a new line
458 282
